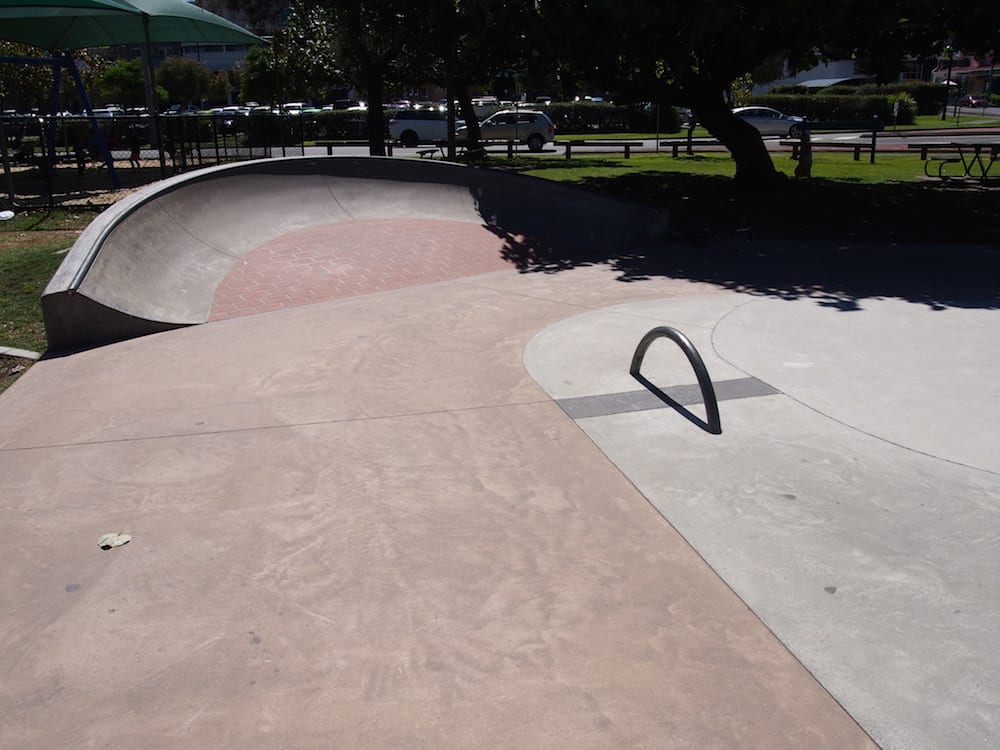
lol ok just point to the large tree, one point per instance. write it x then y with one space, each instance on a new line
123 83
471 42
644 49
301 63
373 41
185 79
694 51
24 87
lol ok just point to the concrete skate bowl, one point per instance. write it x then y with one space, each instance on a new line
153 261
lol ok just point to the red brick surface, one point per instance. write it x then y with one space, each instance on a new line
355 257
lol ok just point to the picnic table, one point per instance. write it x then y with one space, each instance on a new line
976 157
972 155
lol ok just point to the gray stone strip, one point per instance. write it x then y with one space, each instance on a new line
22 353
685 395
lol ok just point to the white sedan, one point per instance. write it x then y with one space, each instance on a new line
770 121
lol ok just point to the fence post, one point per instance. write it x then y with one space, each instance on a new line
569 149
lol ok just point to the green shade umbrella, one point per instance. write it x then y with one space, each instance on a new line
62 25
75 24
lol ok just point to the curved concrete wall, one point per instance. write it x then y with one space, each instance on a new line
153 261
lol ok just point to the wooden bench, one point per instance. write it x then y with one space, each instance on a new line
695 146
428 152
871 128
462 150
627 146
796 146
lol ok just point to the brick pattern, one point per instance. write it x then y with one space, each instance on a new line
351 258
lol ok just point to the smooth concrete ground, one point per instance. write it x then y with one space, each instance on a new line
855 509
371 523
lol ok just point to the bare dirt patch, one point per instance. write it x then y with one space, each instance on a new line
11 368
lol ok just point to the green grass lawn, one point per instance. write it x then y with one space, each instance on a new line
827 165
32 245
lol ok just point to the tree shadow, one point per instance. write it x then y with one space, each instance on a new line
838 243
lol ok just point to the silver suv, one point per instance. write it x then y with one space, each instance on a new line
413 126
520 125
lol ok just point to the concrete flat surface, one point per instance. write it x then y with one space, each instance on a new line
852 500
375 521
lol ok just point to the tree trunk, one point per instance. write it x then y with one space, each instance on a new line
472 133
375 118
753 162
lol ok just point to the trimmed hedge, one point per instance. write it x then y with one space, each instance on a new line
929 97
842 107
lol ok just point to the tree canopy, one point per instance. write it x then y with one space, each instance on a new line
638 50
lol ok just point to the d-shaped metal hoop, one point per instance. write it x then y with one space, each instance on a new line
714 423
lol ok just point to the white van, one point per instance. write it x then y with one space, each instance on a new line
414 126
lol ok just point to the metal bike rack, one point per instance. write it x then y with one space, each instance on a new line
714 424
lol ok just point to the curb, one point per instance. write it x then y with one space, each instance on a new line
21 353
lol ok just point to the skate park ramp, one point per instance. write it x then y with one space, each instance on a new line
153 261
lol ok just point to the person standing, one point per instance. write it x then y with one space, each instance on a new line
134 145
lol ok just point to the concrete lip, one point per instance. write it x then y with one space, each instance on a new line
155 260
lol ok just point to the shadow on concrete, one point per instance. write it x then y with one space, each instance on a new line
933 244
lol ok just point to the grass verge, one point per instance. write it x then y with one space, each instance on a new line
888 201
32 246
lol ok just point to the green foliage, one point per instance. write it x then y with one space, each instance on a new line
339 124
123 83
305 46
789 89
25 87
928 98
842 107
256 75
219 88
184 79
904 107
301 64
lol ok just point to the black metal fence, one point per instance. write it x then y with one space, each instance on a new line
48 160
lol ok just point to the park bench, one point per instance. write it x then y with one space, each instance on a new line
696 145
626 146
871 127
462 150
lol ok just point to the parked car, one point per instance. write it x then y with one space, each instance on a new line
972 100
414 126
521 125
770 121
